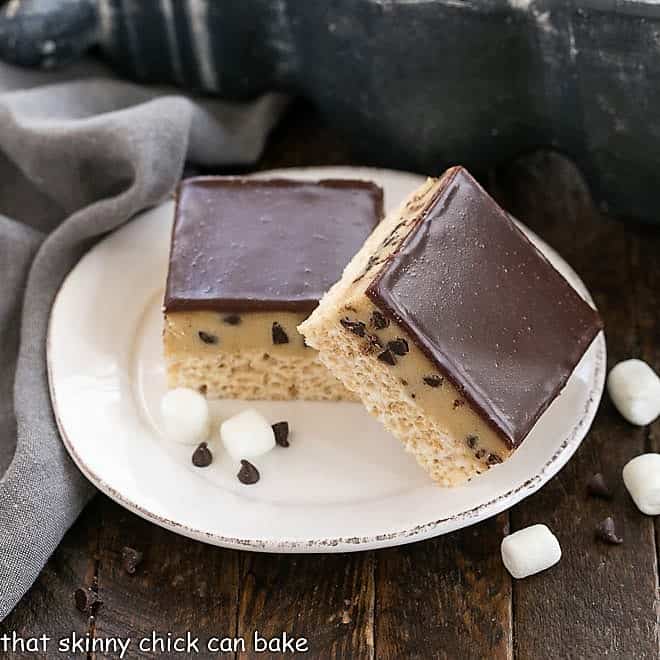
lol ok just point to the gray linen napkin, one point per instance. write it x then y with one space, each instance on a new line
77 159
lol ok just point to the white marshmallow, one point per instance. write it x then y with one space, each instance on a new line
185 414
247 435
530 550
642 478
635 391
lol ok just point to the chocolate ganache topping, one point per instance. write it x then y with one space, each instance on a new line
246 245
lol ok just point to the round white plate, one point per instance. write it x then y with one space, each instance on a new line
344 484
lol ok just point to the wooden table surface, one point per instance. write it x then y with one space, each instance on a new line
448 597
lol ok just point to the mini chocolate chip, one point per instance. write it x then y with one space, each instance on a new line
378 320
433 380
597 487
356 327
130 559
232 319
472 441
404 382
87 600
373 260
388 357
393 236
480 453
493 459
202 456
248 474
413 396
279 335
207 337
281 431
203 389
458 403
390 239
606 531
398 346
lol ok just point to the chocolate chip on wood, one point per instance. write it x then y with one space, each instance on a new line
597 486
606 531
130 559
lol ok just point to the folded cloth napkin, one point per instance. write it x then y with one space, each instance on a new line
79 156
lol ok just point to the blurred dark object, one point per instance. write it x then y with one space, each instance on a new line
411 84
47 33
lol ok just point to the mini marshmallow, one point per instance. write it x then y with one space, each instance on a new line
530 550
635 391
642 478
185 414
247 435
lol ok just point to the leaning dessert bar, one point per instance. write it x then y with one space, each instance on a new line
452 328
249 261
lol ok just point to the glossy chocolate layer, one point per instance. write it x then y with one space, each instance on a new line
243 244
486 307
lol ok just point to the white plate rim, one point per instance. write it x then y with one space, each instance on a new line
419 532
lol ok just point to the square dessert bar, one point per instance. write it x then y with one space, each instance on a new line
249 261
453 329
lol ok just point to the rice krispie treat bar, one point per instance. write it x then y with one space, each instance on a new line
452 328
249 261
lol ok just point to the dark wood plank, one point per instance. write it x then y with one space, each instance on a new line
600 600
645 263
445 598
181 586
328 599
303 139
48 607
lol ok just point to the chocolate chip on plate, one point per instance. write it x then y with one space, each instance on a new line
597 486
356 327
494 459
433 380
279 335
398 346
388 357
232 319
606 531
379 320
248 474
130 559
281 431
202 456
207 337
